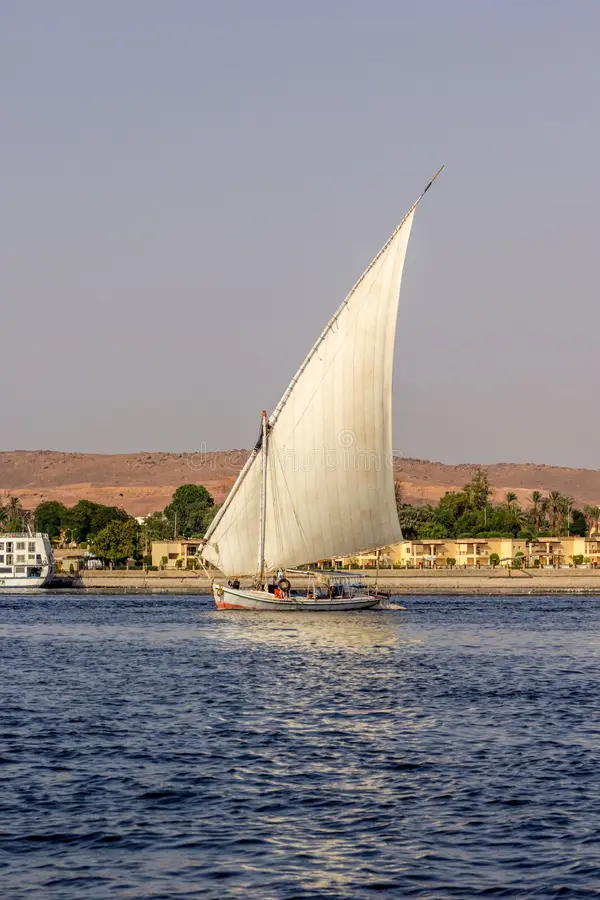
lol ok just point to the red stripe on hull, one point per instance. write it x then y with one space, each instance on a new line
220 605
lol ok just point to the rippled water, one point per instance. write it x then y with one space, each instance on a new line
157 748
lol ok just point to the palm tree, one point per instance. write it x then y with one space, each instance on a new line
398 494
556 512
537 513
12 514
592 518
516 514
13 506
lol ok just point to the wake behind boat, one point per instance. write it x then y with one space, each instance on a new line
319 483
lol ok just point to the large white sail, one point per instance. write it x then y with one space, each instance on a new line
330 483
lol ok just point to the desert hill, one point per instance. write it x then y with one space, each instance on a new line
143 482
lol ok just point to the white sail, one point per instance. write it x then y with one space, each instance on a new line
330 483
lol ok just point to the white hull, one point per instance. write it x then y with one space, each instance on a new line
230 598
22 585
26 562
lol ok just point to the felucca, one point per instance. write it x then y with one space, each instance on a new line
319 483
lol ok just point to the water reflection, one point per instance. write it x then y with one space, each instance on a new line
360 631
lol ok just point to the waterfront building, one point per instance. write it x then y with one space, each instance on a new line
176 554
476 553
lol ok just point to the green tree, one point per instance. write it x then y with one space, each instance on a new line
118 541
578 526
398 494
156 527
494 560
49 517
413 518
592 518
470 523
431 531
556 512
210 514
87 518
478 490
12 514
449 510
190 510
537 512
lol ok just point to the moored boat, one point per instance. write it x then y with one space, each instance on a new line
26 561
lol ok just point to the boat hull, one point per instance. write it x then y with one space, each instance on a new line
12 585
230 598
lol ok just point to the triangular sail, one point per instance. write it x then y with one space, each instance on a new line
330 482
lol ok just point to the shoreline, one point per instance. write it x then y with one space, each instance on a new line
450 582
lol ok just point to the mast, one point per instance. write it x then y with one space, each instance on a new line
263 499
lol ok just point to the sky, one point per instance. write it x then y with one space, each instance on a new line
189 189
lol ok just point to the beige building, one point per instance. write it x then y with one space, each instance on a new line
179 554
476 552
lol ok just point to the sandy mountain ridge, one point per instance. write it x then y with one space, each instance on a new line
143 482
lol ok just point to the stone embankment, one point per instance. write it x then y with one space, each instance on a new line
398 581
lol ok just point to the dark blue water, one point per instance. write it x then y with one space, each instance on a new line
156 748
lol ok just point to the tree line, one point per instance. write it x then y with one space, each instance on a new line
471 514
109 531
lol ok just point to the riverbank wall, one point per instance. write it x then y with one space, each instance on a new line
397 581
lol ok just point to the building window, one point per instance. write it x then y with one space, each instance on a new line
31 547
9 559
20 570
173 555
31 556
191 551
20 557
9 546
1 545
1 558
20 545
4 571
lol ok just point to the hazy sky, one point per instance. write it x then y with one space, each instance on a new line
188 190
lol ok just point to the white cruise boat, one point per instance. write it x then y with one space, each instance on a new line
26 561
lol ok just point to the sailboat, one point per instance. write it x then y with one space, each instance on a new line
319 483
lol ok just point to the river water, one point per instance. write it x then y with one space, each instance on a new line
156 748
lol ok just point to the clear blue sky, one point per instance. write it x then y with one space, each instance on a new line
190 188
